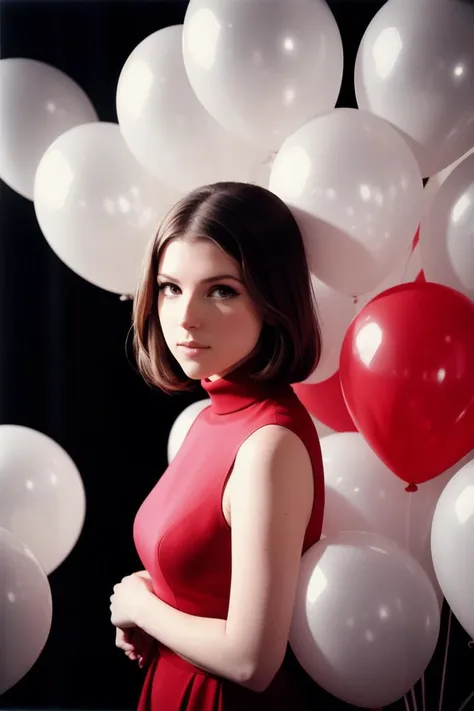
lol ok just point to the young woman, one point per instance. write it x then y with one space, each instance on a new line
225 300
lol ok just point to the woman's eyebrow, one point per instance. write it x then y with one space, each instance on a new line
216 277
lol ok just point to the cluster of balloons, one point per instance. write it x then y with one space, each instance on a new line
42 512
399 468
247 91
392 269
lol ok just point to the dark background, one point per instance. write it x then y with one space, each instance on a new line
66 370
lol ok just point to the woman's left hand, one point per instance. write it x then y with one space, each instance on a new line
127 599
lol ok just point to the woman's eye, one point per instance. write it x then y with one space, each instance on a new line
222 290
168 288
225 292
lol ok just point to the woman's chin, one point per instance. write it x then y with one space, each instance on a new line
195 371
198 370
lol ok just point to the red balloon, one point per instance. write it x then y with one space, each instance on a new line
326 403
407 376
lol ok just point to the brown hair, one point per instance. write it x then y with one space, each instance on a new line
258 230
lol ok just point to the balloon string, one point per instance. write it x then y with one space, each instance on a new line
408 547
445 663
423 692
470 644
408 525
471 696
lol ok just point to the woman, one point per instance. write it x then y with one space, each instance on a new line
225 299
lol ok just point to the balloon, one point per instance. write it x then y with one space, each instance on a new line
414 267
356 191
407 375
97 207
182 425
166 127
416 260
407 269
452 545
38 103
335 312
447 232
418 75
262 69
325 401
25 612
321 429
366 618
435 182
42 497
414 264
362 494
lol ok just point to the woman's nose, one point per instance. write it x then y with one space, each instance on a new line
190 317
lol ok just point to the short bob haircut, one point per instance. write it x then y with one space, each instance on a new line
258 230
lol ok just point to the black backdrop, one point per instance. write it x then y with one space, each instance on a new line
65 370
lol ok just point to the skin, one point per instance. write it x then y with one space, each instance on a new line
193 305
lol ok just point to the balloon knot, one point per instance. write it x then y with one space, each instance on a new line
411 487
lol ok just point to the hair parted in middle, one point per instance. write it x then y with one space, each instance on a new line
258 230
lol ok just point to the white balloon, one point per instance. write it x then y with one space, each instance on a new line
415 69
97 206
37 104
42 497
166 127
335 311
262 69
25 610
413 265
436 181
182 425
363 494
406 270
322 429
356 191
366 618
447 232
452 545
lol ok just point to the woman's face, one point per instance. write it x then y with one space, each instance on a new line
202 299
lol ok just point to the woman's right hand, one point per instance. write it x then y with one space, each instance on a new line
137 644
145 575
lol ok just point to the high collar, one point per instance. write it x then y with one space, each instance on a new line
236 391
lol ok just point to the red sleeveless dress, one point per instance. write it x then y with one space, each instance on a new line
184 542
